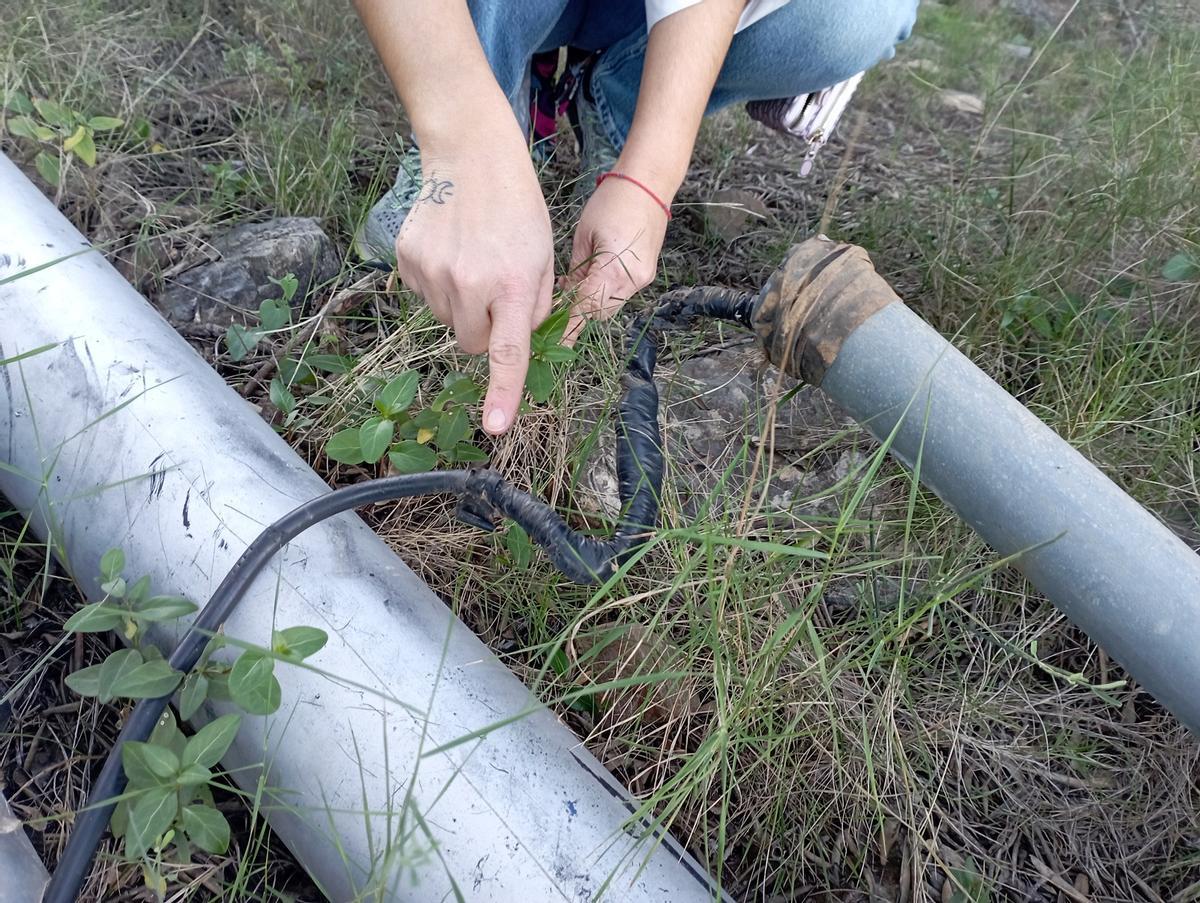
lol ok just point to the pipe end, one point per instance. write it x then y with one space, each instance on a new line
821 293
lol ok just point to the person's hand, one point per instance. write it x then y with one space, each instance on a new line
477 248
615 253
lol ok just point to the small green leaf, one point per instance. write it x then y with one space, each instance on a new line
554 327
427 419
284 400
112 564
459 389
193 775
1042 325
539 382
215 642
330 363
104 123
1183 267
167 734
95 618
23 127
218 687
163 608
207 828
296 373
274 314
288 285
115 667
398 394
84 148
154 879
136 594
298 643
410 456
19 102
115 587
208 744
374 437
161 762
520 548
78 135
54 114
405 427
195 691
240 341
466 453
149 816
253 685
345 447
137 765
452 428
120 819
559 354
85 681
147 681
47 167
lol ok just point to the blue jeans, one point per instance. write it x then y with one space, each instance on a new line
802 47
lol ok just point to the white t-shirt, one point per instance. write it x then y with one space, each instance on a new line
657 10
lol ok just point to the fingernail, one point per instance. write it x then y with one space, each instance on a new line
495 421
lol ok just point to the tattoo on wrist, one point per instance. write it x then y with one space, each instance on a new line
435 190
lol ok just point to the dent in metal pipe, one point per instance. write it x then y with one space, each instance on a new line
120 435
1107 563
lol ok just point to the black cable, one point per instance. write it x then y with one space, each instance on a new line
81 847
484 500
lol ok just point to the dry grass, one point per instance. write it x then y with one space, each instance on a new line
873 707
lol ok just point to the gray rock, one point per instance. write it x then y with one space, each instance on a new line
732 213
238 279
711 406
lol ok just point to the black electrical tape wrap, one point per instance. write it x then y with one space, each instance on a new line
484 499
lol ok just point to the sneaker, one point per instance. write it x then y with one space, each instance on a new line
597 153
375 240
553 89
809 117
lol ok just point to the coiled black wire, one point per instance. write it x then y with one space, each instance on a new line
484 500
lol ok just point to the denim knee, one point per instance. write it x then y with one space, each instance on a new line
511 33
808 45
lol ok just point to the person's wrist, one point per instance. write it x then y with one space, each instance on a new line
663 180
634 189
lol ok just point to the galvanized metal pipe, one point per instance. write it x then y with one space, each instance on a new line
1112 567
22 875
120 435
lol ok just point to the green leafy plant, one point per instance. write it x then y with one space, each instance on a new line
168 804
1182 267
1049 318
64 133
229 183
273 314
295 372
413 440
547 352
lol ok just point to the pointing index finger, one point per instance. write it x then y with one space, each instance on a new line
508 361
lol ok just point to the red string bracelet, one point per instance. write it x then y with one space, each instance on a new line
642 185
